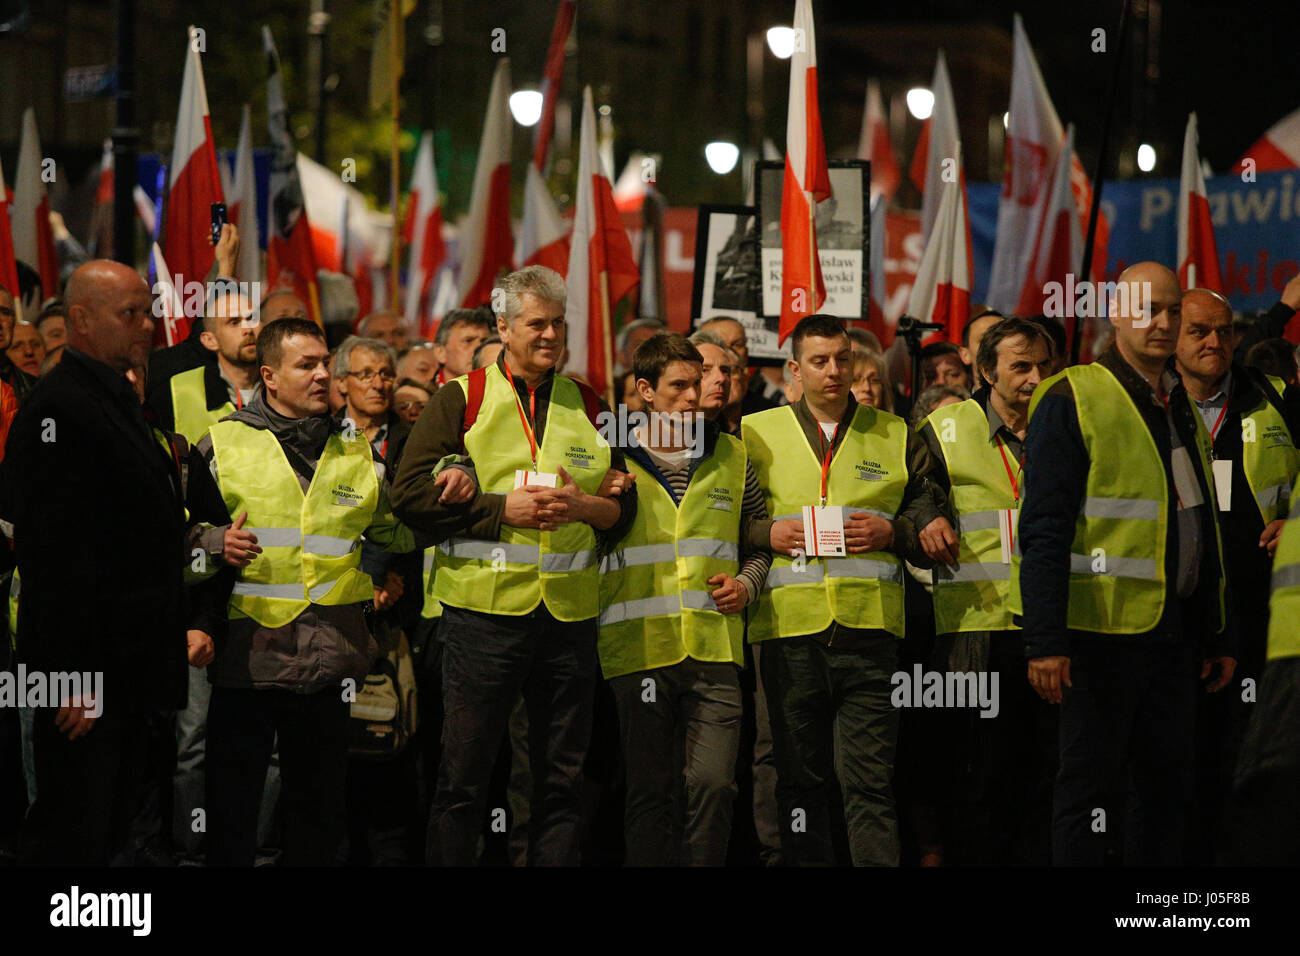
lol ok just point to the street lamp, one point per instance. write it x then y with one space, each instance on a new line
920 102
526 107
780 40
1146 157
722 156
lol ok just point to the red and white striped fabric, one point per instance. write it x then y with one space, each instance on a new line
941 292
877 295
1277 149
243 203
8 262
487 246
100 240
427 248
875 147
601 267
1198 255
942 144
194 182
33 237
1034 138
169 314
1058 244
807 181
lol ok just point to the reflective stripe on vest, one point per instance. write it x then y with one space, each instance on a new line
867 473
974 595
527 566
309 542
432 607
190 412
657 607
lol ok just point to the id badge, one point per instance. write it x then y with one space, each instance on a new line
1223 483
546 479
823 531
1007 520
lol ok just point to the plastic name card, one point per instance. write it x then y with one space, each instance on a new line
546 479
1007 518
823 532
1223 482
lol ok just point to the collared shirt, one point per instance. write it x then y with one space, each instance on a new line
1212 409
998 429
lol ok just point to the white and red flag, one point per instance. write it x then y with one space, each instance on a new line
875 147
194 181
877 295
100 241
33 237
169 313
1277 149
941 292
487 246
290 259
942 144
543 234
807 181
1058 245
1198 256
242 205
8 261
1034 139
601 267
427 248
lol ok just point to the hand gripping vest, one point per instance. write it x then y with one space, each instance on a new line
310 543
1269 456
190 405
867 475
1284 602
656 607
974 595
1117 558
526 566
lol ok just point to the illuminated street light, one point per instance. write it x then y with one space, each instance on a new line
526 107
920 102
722 156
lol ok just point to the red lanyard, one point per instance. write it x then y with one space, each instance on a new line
1218 422
826 454
239 399
1015 487
532 411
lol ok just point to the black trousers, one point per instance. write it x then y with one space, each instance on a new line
488 660
1127 752
89 791
313 735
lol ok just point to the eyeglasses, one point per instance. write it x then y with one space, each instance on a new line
367 375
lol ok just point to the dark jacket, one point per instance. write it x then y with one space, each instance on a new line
21 382
99 531
1056 475
159 396
1271 325
325 644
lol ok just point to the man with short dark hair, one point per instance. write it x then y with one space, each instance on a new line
1274 357
460 332
418 363
942 364
388 327
830 626
758 394
971 333
296 638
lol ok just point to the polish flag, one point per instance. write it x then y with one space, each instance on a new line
941 147
1034 138
194 183
487 246
601 267
243 203
551 80
1277 149
807 181
1058 244
1198 256
100 242
874 145
33 237
941 292
290 259
877 297
427 248
169 312
8 262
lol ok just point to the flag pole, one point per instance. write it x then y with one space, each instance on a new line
1099 174
394 259
812 252
607 333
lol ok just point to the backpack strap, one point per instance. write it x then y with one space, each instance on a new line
590 400
474 388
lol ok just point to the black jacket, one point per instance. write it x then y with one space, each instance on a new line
99 533
159 396
1056 475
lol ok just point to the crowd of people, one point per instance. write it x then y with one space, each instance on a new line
381 601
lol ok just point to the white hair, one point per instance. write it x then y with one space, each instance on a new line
538 281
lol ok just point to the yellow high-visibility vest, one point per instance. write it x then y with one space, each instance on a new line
190 405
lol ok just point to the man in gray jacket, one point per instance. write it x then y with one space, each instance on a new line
297 645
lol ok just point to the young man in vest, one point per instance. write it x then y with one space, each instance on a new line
830 625
192 399
1122 581
1262 825
517 568
297 643
978 447
671 633
1255 464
